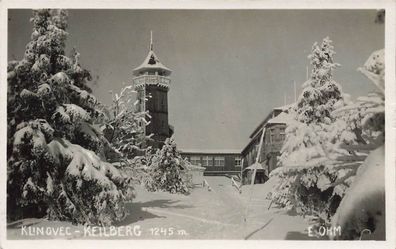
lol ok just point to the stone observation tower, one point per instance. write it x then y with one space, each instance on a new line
151 82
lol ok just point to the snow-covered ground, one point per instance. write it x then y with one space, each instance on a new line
222 213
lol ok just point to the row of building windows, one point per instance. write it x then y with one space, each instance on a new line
209 161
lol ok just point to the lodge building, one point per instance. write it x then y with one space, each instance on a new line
222 162
215 162
273 125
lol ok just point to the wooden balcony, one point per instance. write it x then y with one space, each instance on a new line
151 80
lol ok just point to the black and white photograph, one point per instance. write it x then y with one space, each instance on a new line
196 124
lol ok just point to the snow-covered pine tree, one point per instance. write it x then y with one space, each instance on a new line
307 175
166 170
321 95
56 162
124 127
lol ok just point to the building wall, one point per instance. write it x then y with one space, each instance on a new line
157 106
272 144
229 167
274 139
249 154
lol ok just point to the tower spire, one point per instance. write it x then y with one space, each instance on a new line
151 40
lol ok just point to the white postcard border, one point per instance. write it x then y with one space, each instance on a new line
390 29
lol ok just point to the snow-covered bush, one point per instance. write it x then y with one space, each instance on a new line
125 126
55 150
165 170
309 174
361 213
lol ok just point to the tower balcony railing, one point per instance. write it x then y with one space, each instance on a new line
151 80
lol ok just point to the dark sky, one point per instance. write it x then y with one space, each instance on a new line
230 67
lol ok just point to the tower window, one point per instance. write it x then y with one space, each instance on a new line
152 60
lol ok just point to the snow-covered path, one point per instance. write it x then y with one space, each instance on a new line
222 213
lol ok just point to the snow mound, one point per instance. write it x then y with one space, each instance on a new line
363 207
261 191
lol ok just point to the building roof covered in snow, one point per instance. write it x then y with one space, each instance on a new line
274 113
285 107
260 126
282 118
209 151
152 64
278 115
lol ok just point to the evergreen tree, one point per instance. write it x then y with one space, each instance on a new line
56 152
308 177
167 170
307 137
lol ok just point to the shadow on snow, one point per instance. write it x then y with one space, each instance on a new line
136 212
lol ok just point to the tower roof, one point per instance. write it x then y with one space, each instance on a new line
152 63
